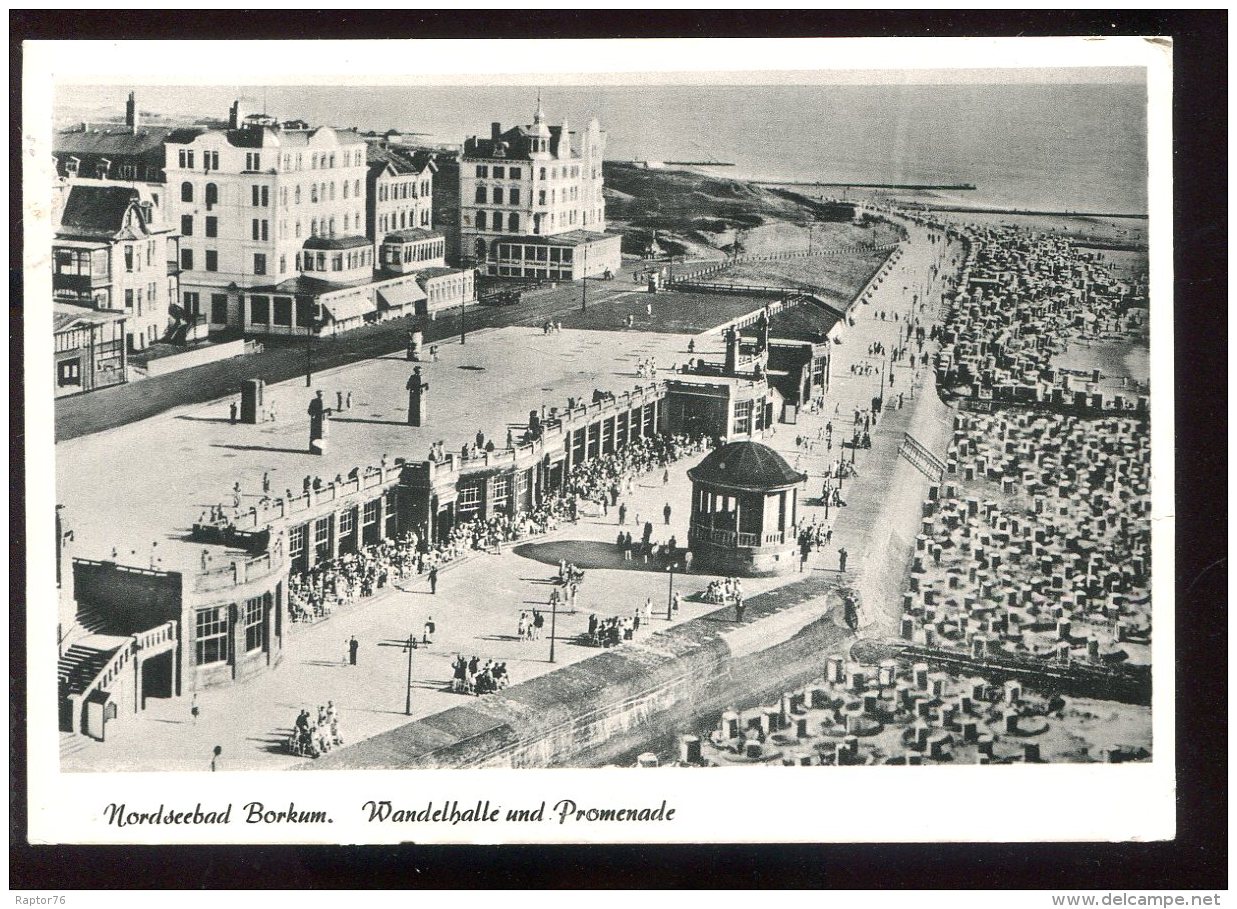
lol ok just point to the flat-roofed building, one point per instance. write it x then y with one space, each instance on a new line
89 348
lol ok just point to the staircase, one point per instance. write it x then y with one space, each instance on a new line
81 665
921 459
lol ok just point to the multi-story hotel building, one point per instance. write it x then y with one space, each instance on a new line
276 228
247 201
531 202
400 190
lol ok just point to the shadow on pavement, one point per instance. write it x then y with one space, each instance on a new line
586 555
303 451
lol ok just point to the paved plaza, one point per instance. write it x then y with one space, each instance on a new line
489 384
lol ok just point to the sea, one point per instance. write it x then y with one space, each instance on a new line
1077 147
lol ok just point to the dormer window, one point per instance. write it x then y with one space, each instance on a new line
71 166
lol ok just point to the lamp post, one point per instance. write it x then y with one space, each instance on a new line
584 283
670 595
553 623
315 323
462 336
410 646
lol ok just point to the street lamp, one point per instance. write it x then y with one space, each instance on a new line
553 623
584 283
316 323
670 595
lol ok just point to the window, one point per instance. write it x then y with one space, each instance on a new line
498 195
347 521
219 309
259 264
513 195
369 514
186 191
283 311
211 635
513 223
210 159
212 195
482 171
128 299
70 372
541 175
502 490
186 225
283 264
212 226
346 189
480 220
480 195
331 191
253 161
253 624
296 542
513 173
541 197
186 259
192 303
259 310
128 258
469 498
743 416
322 538
296 195
212 260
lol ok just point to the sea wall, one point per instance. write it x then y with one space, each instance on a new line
592 711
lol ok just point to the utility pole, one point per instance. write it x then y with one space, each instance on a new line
462 336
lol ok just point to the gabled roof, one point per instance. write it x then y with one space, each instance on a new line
120 140
399 160
66 315
97 211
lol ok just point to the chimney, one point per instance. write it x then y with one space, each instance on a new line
131 116
731 365
496 130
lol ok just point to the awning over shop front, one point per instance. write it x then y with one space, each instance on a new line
350 307
400 295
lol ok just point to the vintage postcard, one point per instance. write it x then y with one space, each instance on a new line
609 441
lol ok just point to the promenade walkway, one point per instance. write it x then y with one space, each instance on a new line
479 600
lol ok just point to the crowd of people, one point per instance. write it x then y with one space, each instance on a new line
314 737
474 677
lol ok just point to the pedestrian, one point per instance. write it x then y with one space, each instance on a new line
622 514
266 483
194 710
429 630
674 603
521 630
272 412
214 758
348 401
233 408
842 554
738 608
687 561
353 647
666 512
339 400
665 477
433 579
538 623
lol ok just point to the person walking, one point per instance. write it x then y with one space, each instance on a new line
666 512
738 608
665 477
194 710
430 627
353 647
622 514
214 758
521 630
233 408
433 579
842 558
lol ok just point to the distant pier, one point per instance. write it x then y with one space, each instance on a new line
944 186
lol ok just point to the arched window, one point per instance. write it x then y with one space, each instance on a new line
480 194
212 194
480 220
186 192
513 223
